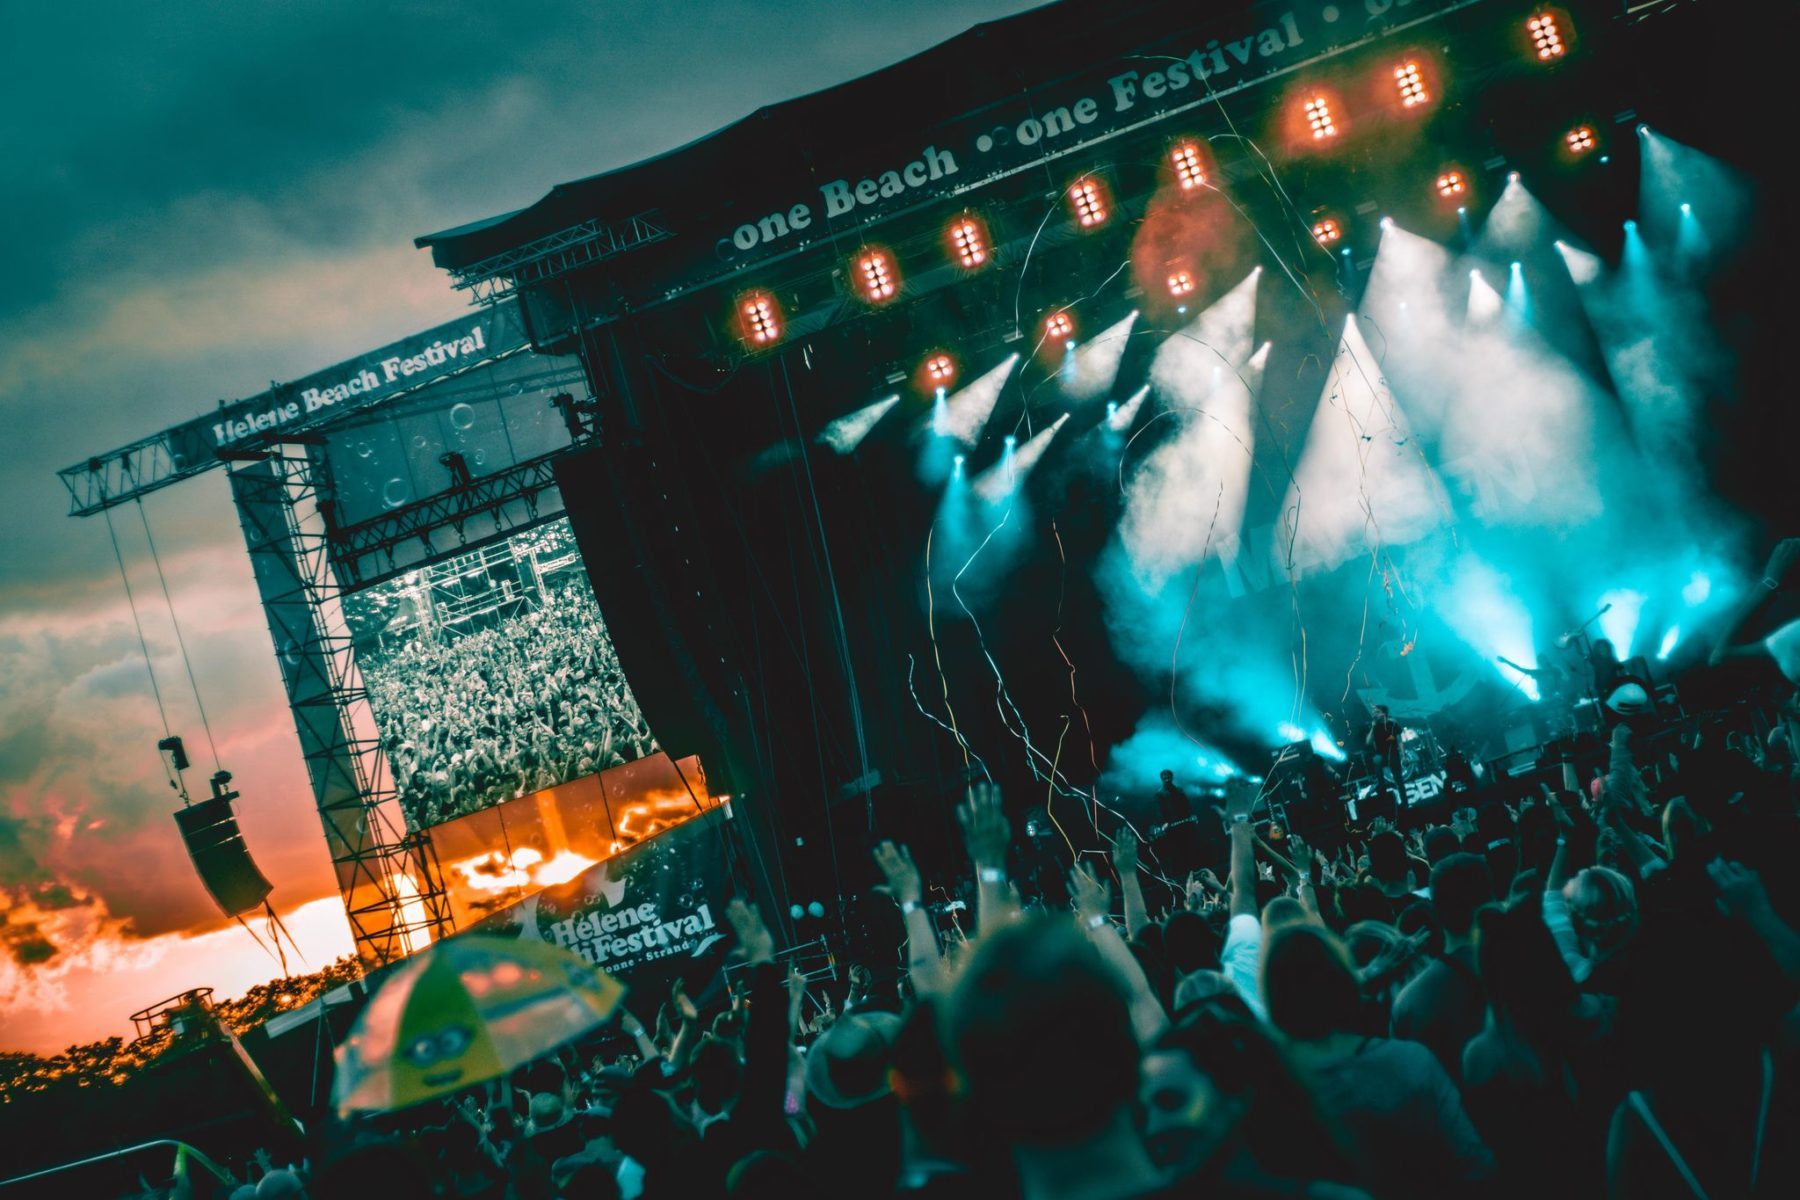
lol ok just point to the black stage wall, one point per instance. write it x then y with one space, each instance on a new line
738 614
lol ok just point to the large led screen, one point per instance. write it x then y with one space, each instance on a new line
492 677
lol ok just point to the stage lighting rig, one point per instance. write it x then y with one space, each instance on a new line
1546 36
1411 85
1087 200
1580 139
1450 184
968 242
876 279
1319 118
1189 172
759 320
1326 231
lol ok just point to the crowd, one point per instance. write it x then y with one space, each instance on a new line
1576 991
526 702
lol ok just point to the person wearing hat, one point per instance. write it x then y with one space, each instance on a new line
857 1148
1629 699
847 1067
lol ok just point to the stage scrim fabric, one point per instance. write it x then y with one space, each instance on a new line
501 855
646 915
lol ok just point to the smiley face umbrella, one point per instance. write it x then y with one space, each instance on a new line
466 1010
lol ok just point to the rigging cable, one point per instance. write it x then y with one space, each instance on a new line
180 641
822 556
131 602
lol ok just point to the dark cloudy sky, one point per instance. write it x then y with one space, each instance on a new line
200 197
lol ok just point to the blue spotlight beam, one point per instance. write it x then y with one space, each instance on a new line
1091 368
846 433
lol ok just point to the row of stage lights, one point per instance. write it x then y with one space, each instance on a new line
876 274
878 277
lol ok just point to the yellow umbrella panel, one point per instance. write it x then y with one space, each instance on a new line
467 1010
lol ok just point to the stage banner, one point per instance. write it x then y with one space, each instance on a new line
1222 49
646 915
495 857
406 365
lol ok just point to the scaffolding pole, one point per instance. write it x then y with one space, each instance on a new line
390 880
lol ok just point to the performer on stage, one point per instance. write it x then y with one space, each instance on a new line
1560 682
1604 670
1177 838
1383 742
1172 804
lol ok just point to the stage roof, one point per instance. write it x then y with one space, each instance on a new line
828 133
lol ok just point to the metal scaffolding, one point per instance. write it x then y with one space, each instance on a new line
186 450
494 279
486 509
390 880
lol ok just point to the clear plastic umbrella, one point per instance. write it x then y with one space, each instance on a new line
468 1009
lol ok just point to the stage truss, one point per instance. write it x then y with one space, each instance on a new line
390 879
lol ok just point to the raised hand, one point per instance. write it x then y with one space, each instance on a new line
984 826
1125 853
684 1007
1240 797
1741 892
754 939
1092 895
896 864
1565 824
796 989
1782 561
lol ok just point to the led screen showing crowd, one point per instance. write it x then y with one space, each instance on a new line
492 676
